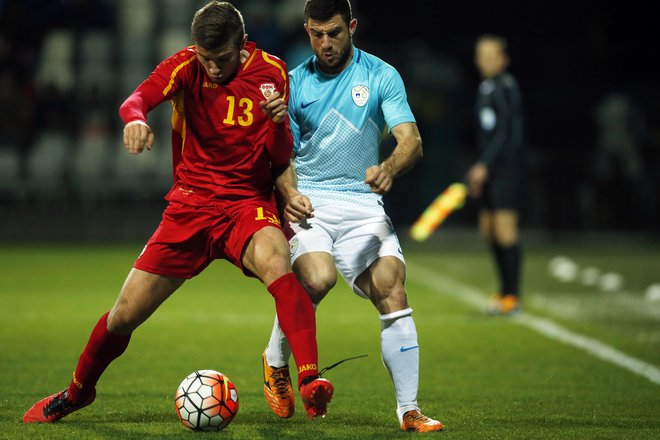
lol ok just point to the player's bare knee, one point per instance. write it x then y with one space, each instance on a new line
318 285
268 259
120 322
389 295
271 269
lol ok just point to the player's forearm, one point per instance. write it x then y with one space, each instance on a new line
286 184
406 154
279 144
133 109
140 102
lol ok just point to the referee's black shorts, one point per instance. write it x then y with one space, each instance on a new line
505 189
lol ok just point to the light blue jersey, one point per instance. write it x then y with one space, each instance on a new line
337 124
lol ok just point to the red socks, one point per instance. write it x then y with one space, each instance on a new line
298 322
102 348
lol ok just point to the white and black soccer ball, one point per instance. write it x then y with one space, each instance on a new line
206 400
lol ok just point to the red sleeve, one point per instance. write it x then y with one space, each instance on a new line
279 144
279 141
160 86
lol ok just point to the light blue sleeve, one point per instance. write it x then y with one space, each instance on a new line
396 109
293 105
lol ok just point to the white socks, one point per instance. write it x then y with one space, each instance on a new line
400 353
278 351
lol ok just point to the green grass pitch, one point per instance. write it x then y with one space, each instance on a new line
484 377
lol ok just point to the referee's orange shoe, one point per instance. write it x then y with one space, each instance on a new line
503 305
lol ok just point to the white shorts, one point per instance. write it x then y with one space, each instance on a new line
353 237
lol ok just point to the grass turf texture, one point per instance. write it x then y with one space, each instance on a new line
484 377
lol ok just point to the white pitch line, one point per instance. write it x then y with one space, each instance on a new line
478 299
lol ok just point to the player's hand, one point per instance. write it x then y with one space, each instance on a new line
137 137
476 176
379 178
298 207
275 108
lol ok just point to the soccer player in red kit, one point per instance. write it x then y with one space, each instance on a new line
230 138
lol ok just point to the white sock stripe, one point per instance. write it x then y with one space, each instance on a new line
397 314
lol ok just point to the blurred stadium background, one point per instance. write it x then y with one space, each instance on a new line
588 73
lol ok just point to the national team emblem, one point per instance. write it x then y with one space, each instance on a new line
360 95
293 245
267 89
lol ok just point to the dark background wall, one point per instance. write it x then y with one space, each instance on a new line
588 72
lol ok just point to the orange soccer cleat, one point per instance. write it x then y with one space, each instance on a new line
416 421
278 390
503 305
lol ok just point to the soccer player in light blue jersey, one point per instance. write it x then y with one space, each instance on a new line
341 101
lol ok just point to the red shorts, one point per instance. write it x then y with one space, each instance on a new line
190 237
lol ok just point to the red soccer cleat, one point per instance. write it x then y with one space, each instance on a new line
53 408
316 395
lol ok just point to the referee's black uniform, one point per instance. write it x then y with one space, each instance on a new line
500 141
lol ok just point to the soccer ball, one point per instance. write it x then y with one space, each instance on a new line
206 400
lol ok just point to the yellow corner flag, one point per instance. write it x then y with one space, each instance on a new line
452 198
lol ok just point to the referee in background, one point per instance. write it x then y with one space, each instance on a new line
497 179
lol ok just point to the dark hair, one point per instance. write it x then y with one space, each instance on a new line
217 24
324 10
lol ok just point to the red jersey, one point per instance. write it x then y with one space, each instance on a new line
221 138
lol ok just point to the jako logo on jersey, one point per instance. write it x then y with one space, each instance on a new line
209 85
267 89
360 95
306 367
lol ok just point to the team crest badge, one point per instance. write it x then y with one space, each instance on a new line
267 89
360 95
293 246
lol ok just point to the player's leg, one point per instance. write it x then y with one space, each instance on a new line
369 257
267 256
383 283
141 294
177 249
317 274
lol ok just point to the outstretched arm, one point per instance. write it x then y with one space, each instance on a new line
407 152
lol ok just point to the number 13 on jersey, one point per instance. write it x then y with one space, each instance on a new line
244 111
